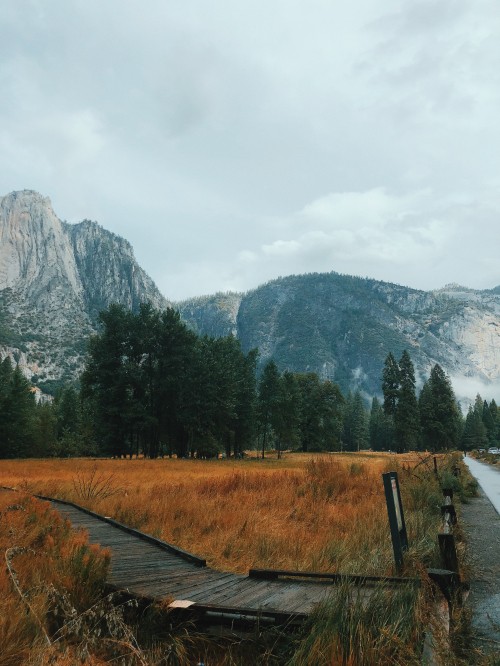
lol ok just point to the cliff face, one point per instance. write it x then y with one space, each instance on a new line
215 316
54 280
35 256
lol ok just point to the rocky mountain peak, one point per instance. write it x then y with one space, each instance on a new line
34 252
55 278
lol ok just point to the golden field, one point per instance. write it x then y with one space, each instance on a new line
308 512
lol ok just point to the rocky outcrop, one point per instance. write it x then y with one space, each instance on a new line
54 280
215 316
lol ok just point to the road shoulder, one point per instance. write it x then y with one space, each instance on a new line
481 524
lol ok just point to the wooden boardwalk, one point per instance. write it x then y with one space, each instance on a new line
146 567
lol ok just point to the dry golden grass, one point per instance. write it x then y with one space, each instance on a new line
321 512
43 561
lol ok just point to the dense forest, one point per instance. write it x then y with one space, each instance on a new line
152 387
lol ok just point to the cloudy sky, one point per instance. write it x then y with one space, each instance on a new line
232 142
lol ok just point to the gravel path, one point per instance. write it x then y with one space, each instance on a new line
481 521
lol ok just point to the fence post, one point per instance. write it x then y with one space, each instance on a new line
448 552
396 517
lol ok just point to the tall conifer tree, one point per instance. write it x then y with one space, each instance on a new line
439 412
406 415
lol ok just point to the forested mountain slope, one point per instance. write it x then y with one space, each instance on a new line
343 327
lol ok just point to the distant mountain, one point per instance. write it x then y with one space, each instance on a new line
343 327
56 277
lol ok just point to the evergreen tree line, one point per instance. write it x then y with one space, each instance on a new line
28 429
431 421
482 425
152 386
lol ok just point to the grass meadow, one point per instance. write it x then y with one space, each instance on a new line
303 512
315 513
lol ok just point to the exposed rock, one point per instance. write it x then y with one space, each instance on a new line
54 280
212 315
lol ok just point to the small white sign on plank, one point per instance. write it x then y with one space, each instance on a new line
181 603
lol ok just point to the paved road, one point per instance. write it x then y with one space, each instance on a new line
481 521
489 479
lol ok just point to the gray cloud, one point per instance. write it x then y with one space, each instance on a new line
234 142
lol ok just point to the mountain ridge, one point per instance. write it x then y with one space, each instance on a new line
55 277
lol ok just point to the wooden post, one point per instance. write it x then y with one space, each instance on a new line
435 466
449 514
448 552
396 517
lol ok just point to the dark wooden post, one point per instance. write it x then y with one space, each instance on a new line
396 517
448 552
448 492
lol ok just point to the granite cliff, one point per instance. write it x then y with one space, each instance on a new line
54 279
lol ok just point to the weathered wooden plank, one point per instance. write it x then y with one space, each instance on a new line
279 599
136 552
178 586
137 564
193 589
220 593
329 577
194 577
210 613
249 595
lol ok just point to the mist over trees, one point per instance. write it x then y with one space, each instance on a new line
153 387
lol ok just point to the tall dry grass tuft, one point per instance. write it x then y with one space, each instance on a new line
384 628
52 608
93 484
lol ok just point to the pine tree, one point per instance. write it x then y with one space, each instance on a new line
172 351
331 412
6 424
489 423
310 411
269 403
390 384
106 380
290 409
21 412
474 435
495 415
355 434
246 401
381 428
439 413
406 415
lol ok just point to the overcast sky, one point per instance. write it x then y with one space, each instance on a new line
232 142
